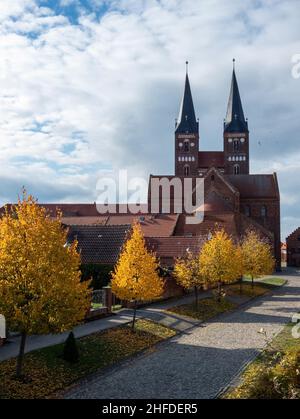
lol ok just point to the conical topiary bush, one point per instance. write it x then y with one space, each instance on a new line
71 353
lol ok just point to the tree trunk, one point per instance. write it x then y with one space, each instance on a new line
241 286
134 315
196 297
252 281
219 292
21 355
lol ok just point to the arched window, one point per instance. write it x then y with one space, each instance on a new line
236 169
186 170
236 144
263 211
186 146
247 211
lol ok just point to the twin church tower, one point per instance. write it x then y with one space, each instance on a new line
234 160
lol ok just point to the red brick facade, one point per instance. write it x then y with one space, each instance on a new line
233 199
293 248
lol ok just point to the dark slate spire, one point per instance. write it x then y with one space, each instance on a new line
235 119
187 122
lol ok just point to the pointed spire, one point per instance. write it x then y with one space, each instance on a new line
235 120
187 122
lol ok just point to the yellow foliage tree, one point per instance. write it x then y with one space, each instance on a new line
217 261
136 274
187 273
239 265
40 288
257 256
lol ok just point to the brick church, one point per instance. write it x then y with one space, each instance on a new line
234 199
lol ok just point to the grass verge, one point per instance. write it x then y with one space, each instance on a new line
275 372
207 308
47 373
261 287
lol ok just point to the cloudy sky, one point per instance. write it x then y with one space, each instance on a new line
89 85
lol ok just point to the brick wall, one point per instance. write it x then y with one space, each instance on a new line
293 248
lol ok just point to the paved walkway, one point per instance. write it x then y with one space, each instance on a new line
154 312
202 361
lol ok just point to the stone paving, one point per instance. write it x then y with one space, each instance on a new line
202 361
153 312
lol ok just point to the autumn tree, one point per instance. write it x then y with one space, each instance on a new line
136 274
239 265
217 261
40 288
187 273
257 256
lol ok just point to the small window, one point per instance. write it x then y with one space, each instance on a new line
236 169
186 170
263 211
236 144
186 146
247 211
212 178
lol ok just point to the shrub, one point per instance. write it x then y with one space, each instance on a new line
287 375
279 379
71 353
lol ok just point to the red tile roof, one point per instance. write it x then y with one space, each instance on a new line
173 247
80 210
85 220
162 225
255 186
211 223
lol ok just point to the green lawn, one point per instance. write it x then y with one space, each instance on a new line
96 306
47 373
261 287
267 281
278 282
207 308
278 364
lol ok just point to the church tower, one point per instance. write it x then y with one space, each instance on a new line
186 135
236 134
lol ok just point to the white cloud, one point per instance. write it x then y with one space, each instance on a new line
76 98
